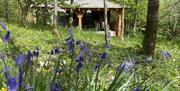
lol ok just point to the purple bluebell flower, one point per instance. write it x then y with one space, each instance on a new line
12 84
55 87
36 52
81 44
84 50
29 57
79 59
166 55
7 72
6 37
103 56
96 67
78 67
19 59
20 76
55 51
136 89
70 40
70 30
128 65
3 25
90 56
70 43
78 42
120 68
107 46
81 55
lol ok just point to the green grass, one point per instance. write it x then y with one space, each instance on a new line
156 76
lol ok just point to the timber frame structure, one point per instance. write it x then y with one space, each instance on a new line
98 6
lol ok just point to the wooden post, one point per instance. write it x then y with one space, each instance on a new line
120 24
80 21
79 16
118 27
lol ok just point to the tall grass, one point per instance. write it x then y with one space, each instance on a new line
60 70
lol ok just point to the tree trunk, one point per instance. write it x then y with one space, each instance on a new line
70 21
45 15
55 31
135 18
122 22
6 13
23 20
105 20
149 42
25 8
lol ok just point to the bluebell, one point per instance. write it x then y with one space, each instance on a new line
29 57
103 56
136 89
20 76
11 81
70 43
128 65
12 84
79 66
166 55
55 87
19 59
70 40
120 68
96 67
55 51
36 52
3 25
6 37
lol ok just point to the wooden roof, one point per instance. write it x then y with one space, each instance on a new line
96 4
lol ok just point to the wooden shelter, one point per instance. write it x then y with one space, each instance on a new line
96 7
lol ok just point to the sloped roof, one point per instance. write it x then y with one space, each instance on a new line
96 4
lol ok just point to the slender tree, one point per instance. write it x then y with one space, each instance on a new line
105 20
55 31
149 42
122 23
135 17
70 21
24 10
6 11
